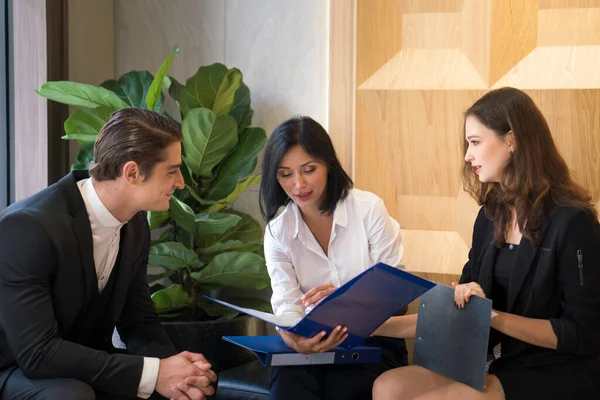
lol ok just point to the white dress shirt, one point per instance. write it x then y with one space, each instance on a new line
106 235
362 235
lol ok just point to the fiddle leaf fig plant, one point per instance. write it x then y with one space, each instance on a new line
202 244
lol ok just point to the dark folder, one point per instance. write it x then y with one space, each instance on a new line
362 304
272 351
453 342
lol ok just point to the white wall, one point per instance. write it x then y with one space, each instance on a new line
281 47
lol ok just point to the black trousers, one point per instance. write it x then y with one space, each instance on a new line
19 387
337 382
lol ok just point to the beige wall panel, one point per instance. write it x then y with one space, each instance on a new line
424 212
431 6
466 210
431 30
417 135
341 79
426 69
545 4
475 28
573 26
565 67
433 254
513 34
574 119
379 35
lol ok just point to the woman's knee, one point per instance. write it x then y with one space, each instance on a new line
389 384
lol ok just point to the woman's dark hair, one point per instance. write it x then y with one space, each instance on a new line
315 141
536 179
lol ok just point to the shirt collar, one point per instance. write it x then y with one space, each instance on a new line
97 209
340 216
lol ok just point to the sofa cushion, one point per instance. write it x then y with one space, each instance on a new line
248 381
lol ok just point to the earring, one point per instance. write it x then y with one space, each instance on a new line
510 153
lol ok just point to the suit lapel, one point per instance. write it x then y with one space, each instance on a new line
83 233
522 264
123 270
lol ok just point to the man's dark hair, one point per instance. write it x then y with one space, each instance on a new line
133 134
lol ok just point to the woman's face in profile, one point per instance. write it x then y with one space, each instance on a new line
302 178
487 153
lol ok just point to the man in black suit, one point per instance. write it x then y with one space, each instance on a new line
73 263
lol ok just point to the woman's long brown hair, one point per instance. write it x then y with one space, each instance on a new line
536 179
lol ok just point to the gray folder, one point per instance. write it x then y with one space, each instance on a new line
453 342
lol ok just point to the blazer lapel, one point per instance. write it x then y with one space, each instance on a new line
486 272
123 269
83 233
522 264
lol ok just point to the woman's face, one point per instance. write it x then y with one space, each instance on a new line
303 178
487 153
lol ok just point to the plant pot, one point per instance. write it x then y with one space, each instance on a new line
205 337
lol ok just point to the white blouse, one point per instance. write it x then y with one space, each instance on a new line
362 235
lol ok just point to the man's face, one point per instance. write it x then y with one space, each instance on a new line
154 193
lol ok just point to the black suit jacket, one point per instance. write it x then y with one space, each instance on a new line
47 280
549 281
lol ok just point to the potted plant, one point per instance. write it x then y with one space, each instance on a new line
201 243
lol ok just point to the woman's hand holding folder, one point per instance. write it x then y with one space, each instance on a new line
316 295
317 344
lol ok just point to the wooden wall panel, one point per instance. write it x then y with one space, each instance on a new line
341 79
410 102
379 35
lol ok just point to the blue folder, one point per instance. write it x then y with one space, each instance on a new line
362 305
272 351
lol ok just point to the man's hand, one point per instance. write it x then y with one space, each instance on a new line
185 376
315 344
315 295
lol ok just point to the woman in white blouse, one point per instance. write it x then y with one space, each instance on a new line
327 234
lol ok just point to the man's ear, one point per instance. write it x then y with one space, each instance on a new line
131 172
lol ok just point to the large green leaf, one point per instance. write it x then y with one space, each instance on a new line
207 140
237 269
156 219
170 299
241 110
213 87
81 94
84 157
240 188
203 223
150 278
172 256
154 96
236 165
208 253
85 124
174 87
133 88
247 230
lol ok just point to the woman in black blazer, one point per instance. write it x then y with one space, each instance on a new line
535 254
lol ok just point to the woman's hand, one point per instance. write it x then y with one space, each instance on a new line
315 295
316 344
462 293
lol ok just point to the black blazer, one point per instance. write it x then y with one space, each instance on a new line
47 280
549 281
